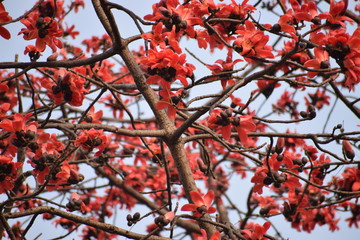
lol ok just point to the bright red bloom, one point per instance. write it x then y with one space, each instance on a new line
158 38
256 231
266 87
76 203
286 23
203 236
220 120
171 101
251 42
165 67
76 4
91 139
33 52
4 17
305 11
336 16
69 87
69 31
93 117
243 126
44 29
200 204
320 61
318 99
19 123
286 103
95 43
350 180
8 173
300 56
224 66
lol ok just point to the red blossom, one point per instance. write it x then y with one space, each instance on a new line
91 139
8 173
165 66
350 180
286 23
76 203
226 67
321 61
251 42
171 101
69 87
200 204
335 17
203 236
256 231
44 29
96 43
244 125
4 17
318 99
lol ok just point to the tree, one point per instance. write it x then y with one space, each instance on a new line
98 128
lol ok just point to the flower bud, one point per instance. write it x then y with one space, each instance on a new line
348 150
279 145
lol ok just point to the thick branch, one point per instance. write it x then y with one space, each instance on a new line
109 128
110 228
62 63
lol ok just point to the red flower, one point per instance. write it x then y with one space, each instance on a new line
93 117
76 4
318 99
256 231
165 67
320 61
91 139
171 101
76 203
158 38
305 11
201 205
266 87
69 87
219 119
336 14
95 43
252 42
286 23
8 173
44 30
203 236
4 17
224 66
244 125
286 103
69 31
33 52
19 123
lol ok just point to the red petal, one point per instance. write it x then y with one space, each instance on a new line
226 132
5 33
355 186
189 207
209 198
196 198
211 210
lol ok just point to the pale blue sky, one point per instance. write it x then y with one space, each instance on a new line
87 22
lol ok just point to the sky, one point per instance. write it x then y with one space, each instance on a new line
88 24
